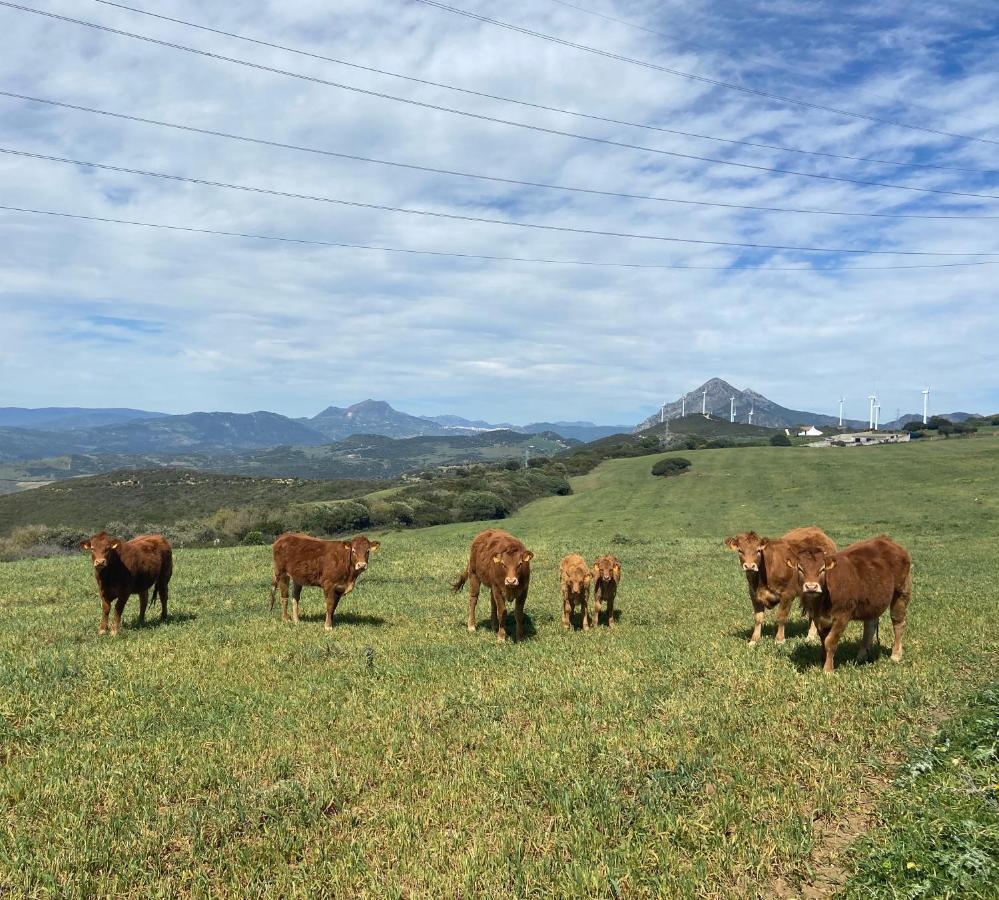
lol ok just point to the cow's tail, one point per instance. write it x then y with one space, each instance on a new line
460 583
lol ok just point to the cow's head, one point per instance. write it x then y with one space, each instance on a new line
749 545
362 548
514 565
811 566
579 577
607 568
103 549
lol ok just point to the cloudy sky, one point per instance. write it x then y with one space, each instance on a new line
104 314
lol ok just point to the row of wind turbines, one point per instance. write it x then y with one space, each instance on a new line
874 416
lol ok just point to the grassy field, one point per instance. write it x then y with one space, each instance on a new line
225 753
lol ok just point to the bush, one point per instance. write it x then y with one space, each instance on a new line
720 443
480 505
780 440
253 539
671 465
336 518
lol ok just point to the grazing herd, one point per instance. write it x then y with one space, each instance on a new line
858 583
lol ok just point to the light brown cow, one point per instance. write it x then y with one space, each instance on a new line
503 564
123 568
856 584
306 561
607 577
770 583
574 578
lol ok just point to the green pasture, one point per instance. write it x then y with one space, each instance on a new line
226 754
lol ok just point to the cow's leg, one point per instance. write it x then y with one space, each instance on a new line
296 599
596 607
610 611
332 598
899 607
813 633
586 611
493 620
105 611
499 608
757 623
143 603
119 608
163 589
473 598
870 631
281 583
567 608
831 641
518 611
783 608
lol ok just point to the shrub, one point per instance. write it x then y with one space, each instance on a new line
780 440
671 465
336 517
480 505
253 539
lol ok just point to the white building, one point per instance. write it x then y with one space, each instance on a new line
811 431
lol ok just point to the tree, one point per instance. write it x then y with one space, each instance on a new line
671 465
780 440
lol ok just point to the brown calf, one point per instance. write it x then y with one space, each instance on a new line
123 568
574 577
856 584
306 561
503 564
764 561
607 576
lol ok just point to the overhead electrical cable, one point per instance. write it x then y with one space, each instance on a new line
715 82
555 109
472 175
484 220
478 256
485 118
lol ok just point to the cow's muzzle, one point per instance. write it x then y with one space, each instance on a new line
360 566
100 563
750 567
511 582
812 587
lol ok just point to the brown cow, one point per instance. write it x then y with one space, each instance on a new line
503 564
574 577
123 568
306 561
607 572
770 583
857 584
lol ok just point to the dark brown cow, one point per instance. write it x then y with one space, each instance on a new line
574 578
607 576
856 585
764 561
123 568
503 564
306 561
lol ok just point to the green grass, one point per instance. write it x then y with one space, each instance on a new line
226 753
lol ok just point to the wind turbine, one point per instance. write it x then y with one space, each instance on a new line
926 402
683 406
752 409
877 415
704 404
662 413
731 417
841 399
870 418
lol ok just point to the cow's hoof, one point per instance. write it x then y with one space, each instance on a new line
471 629
328 628
896 659
501 639
780 642
753 644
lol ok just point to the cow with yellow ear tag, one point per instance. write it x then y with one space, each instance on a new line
503 564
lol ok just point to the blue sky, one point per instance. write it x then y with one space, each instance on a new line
111 315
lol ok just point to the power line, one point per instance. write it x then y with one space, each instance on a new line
555 109
782 69
702 78
472 175
480 116
478 256
482 220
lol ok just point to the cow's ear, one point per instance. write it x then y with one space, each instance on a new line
617 572
763 543
115 545
497 559
587 578
830 564
348 545
374 545
731 543
790 563
528 556
85 545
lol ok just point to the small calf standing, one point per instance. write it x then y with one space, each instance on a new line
607 576
123 568
765 562
575 578
306 561
856 584
503 564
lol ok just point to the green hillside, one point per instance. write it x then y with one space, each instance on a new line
401 756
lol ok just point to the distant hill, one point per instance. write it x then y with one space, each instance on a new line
580 431
67 418
918 417
717 394
195 432
371 417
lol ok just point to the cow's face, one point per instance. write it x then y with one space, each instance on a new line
607 568
811 567
362 548
513 565
749 545
579 578
103 548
